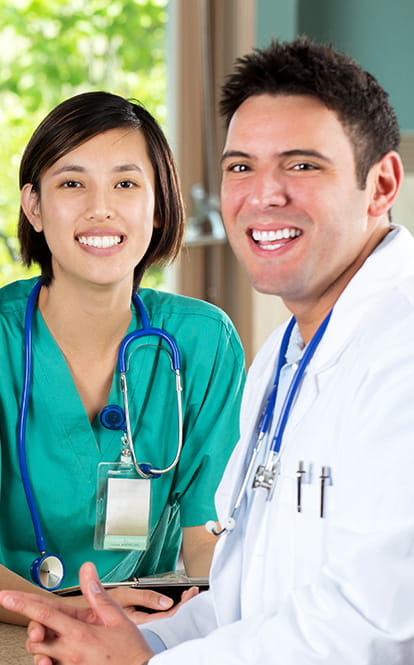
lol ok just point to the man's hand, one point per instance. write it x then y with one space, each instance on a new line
86 636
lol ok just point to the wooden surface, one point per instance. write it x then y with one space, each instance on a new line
12 651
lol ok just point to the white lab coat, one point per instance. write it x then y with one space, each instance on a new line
288 587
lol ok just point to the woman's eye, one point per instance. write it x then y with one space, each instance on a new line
71 184
125 184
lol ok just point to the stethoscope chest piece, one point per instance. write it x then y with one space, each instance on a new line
112 417
48 571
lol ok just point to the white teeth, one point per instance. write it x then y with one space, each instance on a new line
271 246
270 236
102 242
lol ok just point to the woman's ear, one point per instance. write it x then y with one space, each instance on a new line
388 174
30 202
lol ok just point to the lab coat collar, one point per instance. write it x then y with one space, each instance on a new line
390 263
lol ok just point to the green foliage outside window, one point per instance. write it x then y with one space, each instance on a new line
53 49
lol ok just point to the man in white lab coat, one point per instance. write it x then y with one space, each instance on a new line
317 566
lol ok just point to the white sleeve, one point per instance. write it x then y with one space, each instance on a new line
195 619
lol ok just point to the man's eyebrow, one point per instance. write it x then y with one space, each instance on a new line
305 152
296 152
234 153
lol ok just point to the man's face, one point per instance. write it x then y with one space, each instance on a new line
293 211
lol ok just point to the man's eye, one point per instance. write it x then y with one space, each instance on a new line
238 168
304 166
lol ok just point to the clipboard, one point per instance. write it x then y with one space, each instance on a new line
169 585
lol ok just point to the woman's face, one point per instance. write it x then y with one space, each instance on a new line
96 208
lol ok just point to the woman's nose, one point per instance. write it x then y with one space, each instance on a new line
99 206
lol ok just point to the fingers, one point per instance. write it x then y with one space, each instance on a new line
108 612
185 596
36 632
129 597
42 660
52 601
138 618
147 598
189 593
40 609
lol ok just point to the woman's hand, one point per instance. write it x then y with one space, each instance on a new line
131 599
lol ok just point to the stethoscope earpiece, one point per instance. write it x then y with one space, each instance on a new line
48 571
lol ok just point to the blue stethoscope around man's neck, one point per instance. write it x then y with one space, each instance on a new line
48 569
265 475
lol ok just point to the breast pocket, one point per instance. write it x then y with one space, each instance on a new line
313 491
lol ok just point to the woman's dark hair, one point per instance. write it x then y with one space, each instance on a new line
77 120
302 67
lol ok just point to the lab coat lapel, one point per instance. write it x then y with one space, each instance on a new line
229 549
347 316
252 406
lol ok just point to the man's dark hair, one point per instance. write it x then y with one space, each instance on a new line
302 67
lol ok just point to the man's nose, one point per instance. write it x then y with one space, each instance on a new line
268 189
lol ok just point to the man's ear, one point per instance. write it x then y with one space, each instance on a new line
387 177
30 202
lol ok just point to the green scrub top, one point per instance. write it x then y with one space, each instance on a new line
64 449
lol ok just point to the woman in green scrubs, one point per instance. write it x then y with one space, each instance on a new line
100 202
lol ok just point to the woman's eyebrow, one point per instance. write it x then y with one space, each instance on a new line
69 167
77 168
127 167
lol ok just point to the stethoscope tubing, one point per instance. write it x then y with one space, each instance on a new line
146 330
145 470
262 429
137 334
22 420
295 383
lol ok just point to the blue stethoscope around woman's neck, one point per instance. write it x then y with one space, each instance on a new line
266 474
48 569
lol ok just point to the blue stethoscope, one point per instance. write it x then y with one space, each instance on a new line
48 569
266 473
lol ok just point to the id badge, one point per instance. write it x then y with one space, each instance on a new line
123 501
